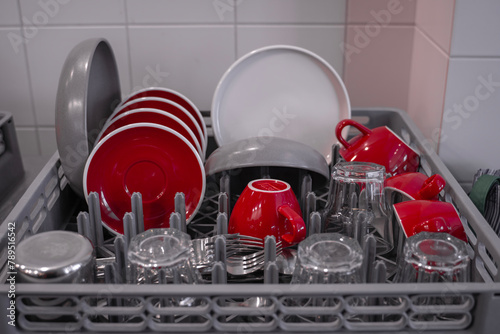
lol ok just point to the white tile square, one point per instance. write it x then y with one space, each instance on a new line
476 28
188 59
15 95
28 141
48 144
471 118
56 12
9 13
324 41
180 11
47 52
291 11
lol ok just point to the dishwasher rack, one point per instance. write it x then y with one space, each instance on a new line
50 204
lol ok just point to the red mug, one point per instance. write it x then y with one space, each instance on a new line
379 145
416 185
429 216
268 207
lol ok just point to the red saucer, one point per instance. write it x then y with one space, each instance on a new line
149 115
147 158
165 105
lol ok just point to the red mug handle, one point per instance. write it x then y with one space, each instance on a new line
346 122
298 226
432 186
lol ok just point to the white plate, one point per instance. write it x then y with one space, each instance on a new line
281 91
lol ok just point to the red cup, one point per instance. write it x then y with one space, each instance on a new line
429 216
268 207
380 146
416 185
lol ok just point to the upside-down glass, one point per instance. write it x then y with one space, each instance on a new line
161 256
430 257
328 258
356 186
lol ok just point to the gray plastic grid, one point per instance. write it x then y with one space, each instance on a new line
466 308
11 165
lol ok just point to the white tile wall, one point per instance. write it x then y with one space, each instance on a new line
189 59
180 11
15 94
323 40
476 28
9 13
72 12
291 11
471 119
47 52
194 41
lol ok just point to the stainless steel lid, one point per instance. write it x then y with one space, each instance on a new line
54 255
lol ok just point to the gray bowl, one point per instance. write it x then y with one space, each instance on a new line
89 90
280 158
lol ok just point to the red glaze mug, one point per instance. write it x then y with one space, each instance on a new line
268 207
416 185
380 146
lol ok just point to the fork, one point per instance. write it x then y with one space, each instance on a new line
249 263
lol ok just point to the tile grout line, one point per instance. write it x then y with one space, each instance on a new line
30 83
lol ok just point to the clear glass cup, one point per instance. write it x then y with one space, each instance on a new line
161 256
433 257
356 186
328 258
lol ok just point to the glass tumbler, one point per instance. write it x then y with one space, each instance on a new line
358 186
430 257
328 258
161 256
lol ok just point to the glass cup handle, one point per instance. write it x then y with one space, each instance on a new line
346 122
298 225
432 186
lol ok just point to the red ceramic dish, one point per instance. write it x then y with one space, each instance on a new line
417 185
149 115
174 96
268 207
429 216
168 106
147 158
380 146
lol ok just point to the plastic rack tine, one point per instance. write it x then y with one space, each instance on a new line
221 223
128 228
137 210
270 248
83 223
314 224
95 218
380 272
120 259
220 248
264 172
175 221
305 189
225 187
335 154
219 273
271 273
223 202
180 207
369 252
310 206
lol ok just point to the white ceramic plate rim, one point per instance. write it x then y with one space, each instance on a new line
151 125
168 90
203 143
156 111
219 91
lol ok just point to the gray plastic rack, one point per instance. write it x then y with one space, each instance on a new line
50 204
